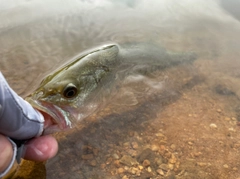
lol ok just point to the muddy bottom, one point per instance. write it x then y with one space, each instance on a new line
189 130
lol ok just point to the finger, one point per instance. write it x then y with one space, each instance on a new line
6 153
41 148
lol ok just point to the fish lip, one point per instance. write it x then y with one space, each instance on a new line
55 112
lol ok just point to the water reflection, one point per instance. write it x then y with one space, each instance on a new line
187 128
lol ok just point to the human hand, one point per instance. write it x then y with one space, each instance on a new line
19 121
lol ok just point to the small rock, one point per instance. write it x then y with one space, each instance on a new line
126 144
197 154
127 160
190 143
219 110
227 118
173 159
115 156
117 163
213 126
125 177
93 163
95 152
132 152
146 163
171 176
231 129
146 154
170 166
87 156
133 171
103 165
154 148
159 161
120 170
160 135
109 160
164 167
134 145
202 164
173 146
160 172
149 169
225 166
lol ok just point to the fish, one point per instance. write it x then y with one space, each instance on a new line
77 89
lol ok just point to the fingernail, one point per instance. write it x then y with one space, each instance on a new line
39 148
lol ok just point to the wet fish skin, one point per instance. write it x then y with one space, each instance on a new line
84 73
83 77
69 93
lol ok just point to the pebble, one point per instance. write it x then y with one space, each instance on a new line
149 169
235 168
231 129
164 167
170 166
173 159
115 156
219 110
126 144
154 148
87 156
103 165
201 164
109 160
213 126
159 161
159 135
225 166
125 177
95 152
145 154
160 172
135 171
146 163
227 118
128 160
132 152
93 163
116 163
197 154
120 170
173 146
134 145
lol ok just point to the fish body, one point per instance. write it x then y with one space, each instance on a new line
70 93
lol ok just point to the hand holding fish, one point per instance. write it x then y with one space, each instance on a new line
19 122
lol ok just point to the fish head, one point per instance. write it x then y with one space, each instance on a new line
70 93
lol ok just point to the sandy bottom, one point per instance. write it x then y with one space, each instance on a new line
189 130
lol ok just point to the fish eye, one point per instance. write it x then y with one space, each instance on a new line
70 91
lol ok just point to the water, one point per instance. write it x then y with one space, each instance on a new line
183 118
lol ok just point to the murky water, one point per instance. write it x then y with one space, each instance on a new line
178 122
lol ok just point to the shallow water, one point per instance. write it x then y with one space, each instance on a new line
182 119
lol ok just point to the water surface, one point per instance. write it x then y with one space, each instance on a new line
182 119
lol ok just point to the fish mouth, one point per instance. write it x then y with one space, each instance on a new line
59 117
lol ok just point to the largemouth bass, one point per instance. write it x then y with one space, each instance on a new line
75 90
